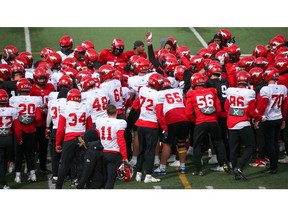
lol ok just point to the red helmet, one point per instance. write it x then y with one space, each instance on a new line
71 72
242 77
156 81
23 85
28 57
214 47
46 51
260 51
54 60
40 73
21 60
66 41
271 73
197 79
125 172
226 34
282 50
281 64
90 57
80 75
276 43
183 51
88 44
69 62
74 95
262 63
87 82
80 65
179 72
117 43
167 83
256 75
142 65
17 68
118 75
222 56
234 52
5 72
170 64
160 53
79 53
64 81
246 63
205 53
133 59
197 63
10 52
106 72
4 97
214 69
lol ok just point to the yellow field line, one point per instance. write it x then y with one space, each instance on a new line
184 181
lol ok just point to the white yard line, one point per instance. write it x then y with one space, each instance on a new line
199 37
203 42
27 39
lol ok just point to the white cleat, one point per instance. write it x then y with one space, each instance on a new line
176 163
11 167
138 176
213 160
18 177
32 177
171 159
284 160
217 169
190 151
149 178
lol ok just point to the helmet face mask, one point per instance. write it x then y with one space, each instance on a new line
125 172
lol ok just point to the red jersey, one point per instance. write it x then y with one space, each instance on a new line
107 57
44 93
204 103
231 69
131 53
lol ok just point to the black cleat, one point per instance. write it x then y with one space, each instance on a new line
239 175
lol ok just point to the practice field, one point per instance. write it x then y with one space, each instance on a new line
174 180
246 38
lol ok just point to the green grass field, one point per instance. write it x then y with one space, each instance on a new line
246 38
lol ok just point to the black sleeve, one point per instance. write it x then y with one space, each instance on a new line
9 86
152 58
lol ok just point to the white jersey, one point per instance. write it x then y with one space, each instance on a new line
173 99
76 115
63 56
55 78
97 100
53 96
7 116
55 107
136 82
149 98
29 72
276 95
26 105
108 128
115 93
239 99
173 81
